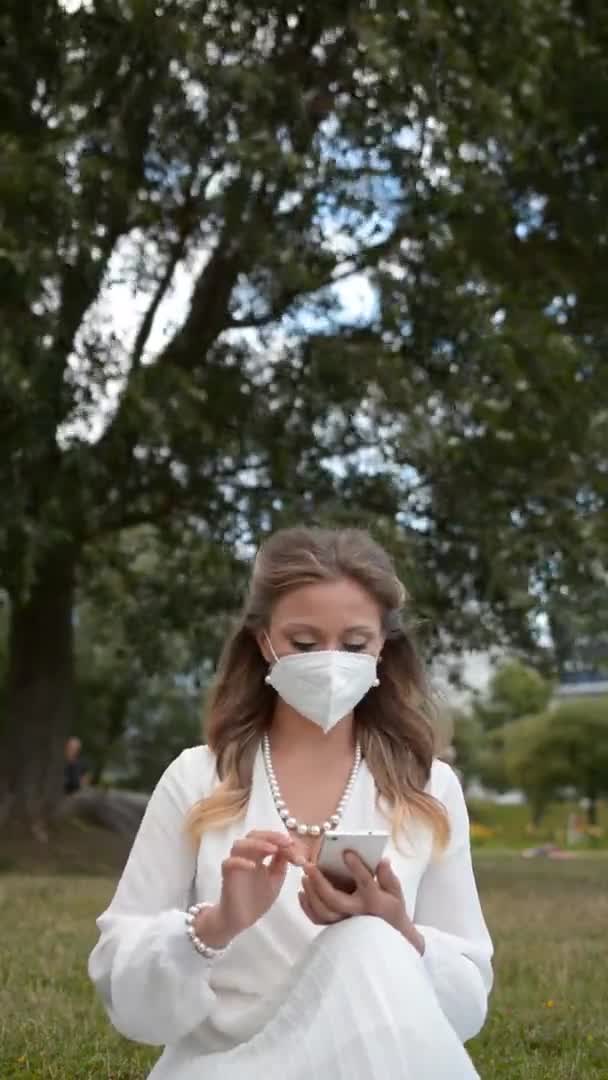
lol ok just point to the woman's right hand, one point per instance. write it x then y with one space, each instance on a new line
252 878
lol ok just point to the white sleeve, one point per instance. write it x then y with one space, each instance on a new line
458 947
152 981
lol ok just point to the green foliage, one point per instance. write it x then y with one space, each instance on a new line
188 194
162 720
516 690
578 619
3 652
513 738
530 761
580 733
467 741
151 615
264 152
565 747
491 764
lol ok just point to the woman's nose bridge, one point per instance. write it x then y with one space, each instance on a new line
333 643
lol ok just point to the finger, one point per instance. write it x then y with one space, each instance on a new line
254 849
235 862
277 866
308 911
279 838
276 841
287 855
335 900
361 873
321 911
388 880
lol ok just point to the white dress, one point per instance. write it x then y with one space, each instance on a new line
291 1000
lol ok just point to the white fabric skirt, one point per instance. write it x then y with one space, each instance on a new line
359 1006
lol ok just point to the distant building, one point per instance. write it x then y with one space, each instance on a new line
581 684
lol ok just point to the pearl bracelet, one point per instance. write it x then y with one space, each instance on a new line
204 950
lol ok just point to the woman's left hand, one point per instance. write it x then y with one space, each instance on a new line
381 896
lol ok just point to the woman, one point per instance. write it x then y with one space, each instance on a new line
316 721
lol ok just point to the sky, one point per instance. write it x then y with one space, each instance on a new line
477 669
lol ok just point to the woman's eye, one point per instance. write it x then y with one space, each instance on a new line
303 646
355 646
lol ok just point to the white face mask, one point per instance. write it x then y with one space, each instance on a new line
323 686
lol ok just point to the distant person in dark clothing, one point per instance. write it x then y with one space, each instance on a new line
76 772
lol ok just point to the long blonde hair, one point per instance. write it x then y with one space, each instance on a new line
393 724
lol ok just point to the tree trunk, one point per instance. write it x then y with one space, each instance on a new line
538 805
117 717
592 808
40 685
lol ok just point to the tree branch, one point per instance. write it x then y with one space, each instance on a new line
353 265
143 333
245 210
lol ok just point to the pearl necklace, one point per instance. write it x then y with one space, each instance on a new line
289 821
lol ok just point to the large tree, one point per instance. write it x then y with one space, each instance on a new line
515 691
219 173
564 748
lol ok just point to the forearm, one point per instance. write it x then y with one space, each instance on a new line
212 927
153 982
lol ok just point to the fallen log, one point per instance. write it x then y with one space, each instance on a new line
119 811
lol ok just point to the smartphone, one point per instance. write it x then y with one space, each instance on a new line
369 846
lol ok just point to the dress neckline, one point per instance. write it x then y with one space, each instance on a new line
262 789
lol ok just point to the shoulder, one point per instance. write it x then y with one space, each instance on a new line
192 773
444 785
443 782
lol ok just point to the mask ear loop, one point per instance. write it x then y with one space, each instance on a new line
275 657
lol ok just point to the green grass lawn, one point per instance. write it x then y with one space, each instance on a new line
548 1018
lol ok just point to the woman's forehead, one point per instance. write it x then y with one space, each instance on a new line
328 605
